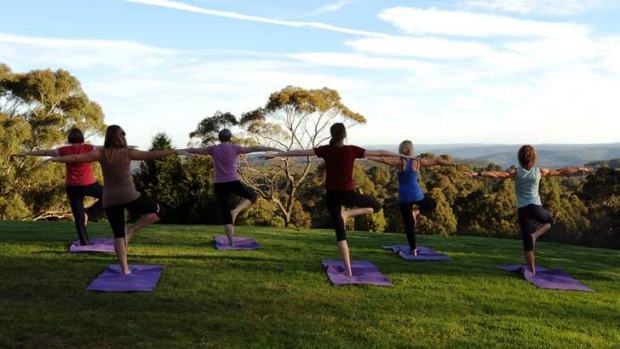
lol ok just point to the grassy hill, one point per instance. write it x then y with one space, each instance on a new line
279 296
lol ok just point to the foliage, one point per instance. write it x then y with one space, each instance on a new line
182 187
292 118
37 109
209 127
602 195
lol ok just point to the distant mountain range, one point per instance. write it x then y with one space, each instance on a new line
505 155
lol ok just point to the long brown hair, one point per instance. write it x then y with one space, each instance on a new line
527 156
112 139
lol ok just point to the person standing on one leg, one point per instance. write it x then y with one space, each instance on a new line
226 181
409 192
339 186
529 206
79 180
119 191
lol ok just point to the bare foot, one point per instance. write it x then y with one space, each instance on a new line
414 252
127 272
347 273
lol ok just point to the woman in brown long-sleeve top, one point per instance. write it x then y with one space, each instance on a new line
119 191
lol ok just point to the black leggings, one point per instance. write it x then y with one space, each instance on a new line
222 193
76 194
525 215
142 205
338 198
427 204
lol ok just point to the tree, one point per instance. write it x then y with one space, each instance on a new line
209 127
37 109
293 118
489 210
601 193
160 179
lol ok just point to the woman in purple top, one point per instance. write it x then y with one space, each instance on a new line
409 191
119 191
226 181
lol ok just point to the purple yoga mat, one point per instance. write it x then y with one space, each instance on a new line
96 245
424 253
364 272
241 243
143 278
555 279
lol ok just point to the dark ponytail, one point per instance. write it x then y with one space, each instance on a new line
338 133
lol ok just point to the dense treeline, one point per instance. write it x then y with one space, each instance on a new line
587 208
36 109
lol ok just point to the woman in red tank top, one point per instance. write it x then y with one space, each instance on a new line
80 182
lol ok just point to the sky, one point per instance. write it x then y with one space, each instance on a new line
434 72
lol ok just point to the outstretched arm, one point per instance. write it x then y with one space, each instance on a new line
290 153
384 160
247 150
42 152
387 153
492 174
433 162
136 154
565 171
68 159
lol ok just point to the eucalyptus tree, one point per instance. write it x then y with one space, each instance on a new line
292 118
37 108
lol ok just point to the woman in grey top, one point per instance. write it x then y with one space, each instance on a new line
119 191
529 206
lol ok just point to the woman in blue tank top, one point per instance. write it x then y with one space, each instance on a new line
409 192
529 206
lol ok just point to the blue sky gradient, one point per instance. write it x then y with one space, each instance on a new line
435 72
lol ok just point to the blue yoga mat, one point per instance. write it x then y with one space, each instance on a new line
556 279
364 272
143 278
424 253
105 245
241 243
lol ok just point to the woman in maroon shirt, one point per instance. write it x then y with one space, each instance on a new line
80 182
339 186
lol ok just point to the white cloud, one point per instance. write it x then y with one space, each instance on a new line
557 7
242 17
532 82
467 24
333 7
84 54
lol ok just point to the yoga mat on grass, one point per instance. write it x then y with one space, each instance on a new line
241 243
143 278
424 253
555 279
96 245
364 272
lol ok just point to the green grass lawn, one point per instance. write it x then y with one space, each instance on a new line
279 296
